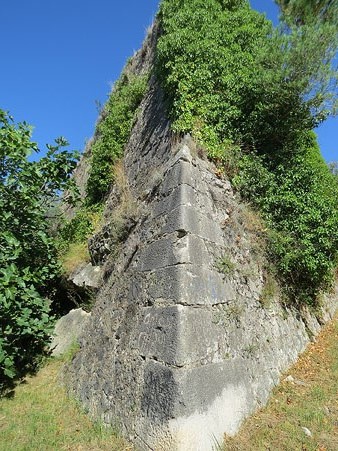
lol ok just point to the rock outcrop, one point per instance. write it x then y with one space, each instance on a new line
179 349
67 331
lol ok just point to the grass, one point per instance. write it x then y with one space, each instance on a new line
225 265
270 290
41 417
310 401
74 234
76 254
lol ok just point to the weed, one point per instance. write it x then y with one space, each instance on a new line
234 311
225 313
128 206
251 349
225 265
70 353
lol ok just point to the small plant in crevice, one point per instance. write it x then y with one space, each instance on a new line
225 265
70 353
223 314
234 311
251 349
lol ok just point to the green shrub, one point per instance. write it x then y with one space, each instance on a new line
28 254
299 200
112 134
225 265
80 227
250 94
25 323
206 59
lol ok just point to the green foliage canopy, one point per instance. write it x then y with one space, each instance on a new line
301 12
230 76
207 59
250 92
28 255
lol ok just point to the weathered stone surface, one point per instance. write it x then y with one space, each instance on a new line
67 331
179 351
87 276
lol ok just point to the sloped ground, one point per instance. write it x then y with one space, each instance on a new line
40 417
305 402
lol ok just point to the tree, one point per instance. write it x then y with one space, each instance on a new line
309 11
231 76
295 86
28 255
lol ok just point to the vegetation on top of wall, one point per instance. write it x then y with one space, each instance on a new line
251 94
231 77
206 59
299 200
112 133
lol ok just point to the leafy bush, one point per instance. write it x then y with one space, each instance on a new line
112 134
25 324
299 200
207 58
28 255
80 227
251 94
231 76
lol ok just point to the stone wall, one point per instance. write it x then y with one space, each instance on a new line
179 348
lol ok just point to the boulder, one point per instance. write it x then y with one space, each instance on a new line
67 330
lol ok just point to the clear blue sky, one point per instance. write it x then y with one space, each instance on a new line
59 58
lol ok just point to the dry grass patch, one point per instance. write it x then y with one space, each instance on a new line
127 206
41 417
309 401
77 253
